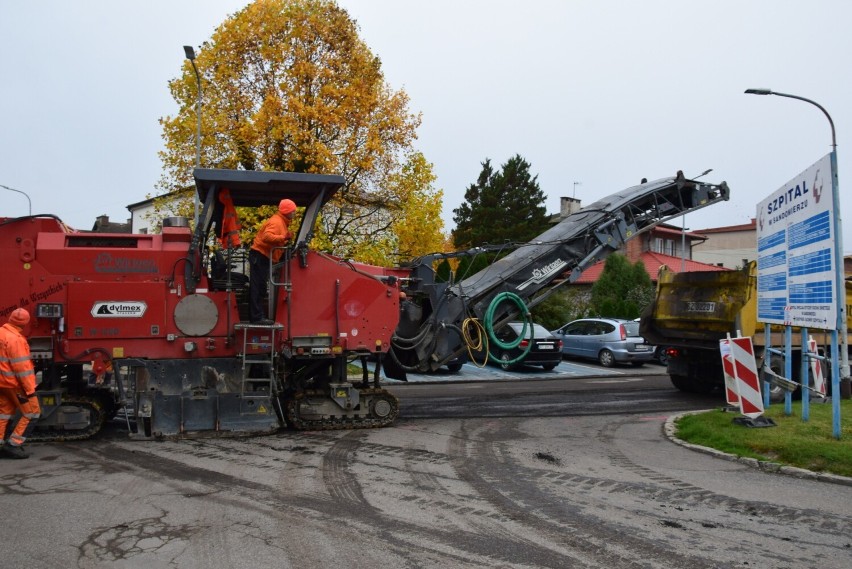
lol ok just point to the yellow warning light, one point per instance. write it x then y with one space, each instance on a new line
337 349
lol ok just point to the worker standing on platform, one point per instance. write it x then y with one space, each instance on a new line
17 384
275 232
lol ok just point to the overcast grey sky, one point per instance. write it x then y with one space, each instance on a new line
600 92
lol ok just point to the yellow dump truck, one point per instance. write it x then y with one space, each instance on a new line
692 311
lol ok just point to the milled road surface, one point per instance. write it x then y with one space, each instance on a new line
515 474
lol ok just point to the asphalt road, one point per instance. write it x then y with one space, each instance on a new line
567 369
531 472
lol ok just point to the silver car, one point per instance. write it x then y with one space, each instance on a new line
607 340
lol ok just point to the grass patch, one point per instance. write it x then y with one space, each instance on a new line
792 442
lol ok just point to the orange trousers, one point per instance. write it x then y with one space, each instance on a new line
9 406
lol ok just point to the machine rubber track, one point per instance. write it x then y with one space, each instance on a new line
96 414
383 409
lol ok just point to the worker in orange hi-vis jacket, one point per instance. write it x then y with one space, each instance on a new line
17 385
275 232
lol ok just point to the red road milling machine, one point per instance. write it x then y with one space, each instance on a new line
155 326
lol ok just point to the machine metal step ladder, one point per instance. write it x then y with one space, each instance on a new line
259 341
258 350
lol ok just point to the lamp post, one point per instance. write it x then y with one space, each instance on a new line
29 201
190 55
838 247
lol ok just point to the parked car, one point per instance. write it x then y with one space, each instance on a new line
607 340
546 350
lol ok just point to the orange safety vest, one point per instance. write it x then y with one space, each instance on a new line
230 234
16 366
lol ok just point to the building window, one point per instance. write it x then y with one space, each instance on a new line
664 246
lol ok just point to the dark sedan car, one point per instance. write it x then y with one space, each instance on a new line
546 350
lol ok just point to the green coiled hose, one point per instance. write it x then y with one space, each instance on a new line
489 326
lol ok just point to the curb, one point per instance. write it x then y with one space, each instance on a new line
669 430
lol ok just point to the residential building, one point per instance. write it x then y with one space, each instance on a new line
731 246
664 245
104 225
141 213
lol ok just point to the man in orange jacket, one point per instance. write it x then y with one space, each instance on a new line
275 232
17 384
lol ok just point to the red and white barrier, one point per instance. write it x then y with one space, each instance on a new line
743 370
816 367
731 397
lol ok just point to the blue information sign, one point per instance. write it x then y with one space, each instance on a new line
796 282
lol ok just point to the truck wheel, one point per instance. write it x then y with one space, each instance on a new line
705 386
776 364
606 358
776 394
682 383
454 367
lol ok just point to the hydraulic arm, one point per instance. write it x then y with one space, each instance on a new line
430 329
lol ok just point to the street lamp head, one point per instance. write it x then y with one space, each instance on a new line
758 91
190 53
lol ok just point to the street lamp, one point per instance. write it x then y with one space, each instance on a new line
20 192
838 245
814 103
190 55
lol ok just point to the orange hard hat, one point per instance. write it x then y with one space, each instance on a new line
19 317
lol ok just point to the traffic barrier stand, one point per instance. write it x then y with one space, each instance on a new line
746 383
731 397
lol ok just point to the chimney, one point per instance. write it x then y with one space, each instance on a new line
567 206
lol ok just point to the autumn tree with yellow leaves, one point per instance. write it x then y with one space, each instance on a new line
288 85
